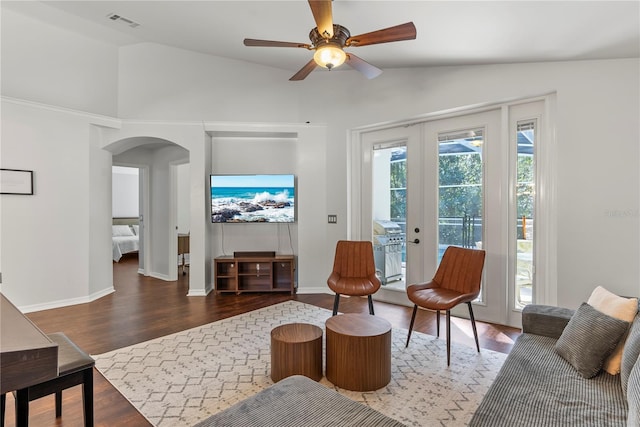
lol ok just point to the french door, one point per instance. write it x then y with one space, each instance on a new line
391 207
464 189
468 180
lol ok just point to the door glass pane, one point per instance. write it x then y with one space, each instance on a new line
525 199
390 213
460 189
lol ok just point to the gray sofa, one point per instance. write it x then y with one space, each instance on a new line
537 387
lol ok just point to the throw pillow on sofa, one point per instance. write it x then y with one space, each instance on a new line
620 308
589 338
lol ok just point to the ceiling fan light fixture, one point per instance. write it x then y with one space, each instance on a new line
329 56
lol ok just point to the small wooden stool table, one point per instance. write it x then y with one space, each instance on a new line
296 349
358 351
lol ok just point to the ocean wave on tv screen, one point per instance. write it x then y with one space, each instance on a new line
252 205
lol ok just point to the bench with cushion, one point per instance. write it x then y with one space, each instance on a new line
299 401
75 367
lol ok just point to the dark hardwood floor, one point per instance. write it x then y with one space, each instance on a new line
144 308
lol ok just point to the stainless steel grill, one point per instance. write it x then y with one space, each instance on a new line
388 242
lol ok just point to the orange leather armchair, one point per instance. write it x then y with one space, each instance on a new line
456 281
354 272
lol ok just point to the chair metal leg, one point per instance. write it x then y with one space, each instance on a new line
336 301
438 323
370 305
473 325
448 337
413 318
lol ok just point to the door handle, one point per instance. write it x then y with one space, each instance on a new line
414 241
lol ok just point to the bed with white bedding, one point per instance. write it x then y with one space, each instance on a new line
124 237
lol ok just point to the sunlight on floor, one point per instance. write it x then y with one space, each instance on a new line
464 326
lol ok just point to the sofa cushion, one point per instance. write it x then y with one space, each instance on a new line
620 308
537 387
630 353
589 338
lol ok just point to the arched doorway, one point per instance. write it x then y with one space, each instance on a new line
156 158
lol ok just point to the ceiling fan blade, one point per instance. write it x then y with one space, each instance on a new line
304 71
392 34
363 66
272 43
323 16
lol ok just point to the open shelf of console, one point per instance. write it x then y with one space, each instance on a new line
257 273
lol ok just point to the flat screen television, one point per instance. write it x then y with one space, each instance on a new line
253 198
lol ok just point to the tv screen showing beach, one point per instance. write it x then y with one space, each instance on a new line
252 198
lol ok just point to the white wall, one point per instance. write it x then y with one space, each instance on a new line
381 179
163 83
301 151
52 250
255 156
125 192
51 65
56 251
597 135
597 119
184 198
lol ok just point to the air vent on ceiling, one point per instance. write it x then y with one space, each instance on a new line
117 18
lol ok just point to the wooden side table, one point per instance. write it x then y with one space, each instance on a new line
358 351
296 349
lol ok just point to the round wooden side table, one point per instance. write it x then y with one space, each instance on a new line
358 351
296 349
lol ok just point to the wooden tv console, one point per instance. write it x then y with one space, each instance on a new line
254 272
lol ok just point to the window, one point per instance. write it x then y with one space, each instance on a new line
525 205
460 189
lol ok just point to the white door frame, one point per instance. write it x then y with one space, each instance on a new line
173 220
546 204
143 214
494 210
411 136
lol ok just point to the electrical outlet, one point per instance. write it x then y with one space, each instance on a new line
333 219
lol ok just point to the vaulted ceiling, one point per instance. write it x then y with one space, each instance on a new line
448 32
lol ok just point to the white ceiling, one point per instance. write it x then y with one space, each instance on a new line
448 32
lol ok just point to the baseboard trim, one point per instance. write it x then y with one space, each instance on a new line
199 292
66 302
164 277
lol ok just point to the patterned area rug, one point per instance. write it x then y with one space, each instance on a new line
181 379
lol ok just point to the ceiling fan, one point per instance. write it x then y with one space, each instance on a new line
329 40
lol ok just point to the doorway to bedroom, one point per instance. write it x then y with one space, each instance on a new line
127 217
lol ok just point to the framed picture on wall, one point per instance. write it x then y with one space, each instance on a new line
16 181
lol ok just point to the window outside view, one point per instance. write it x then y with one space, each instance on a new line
525 199
460 190
460 204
